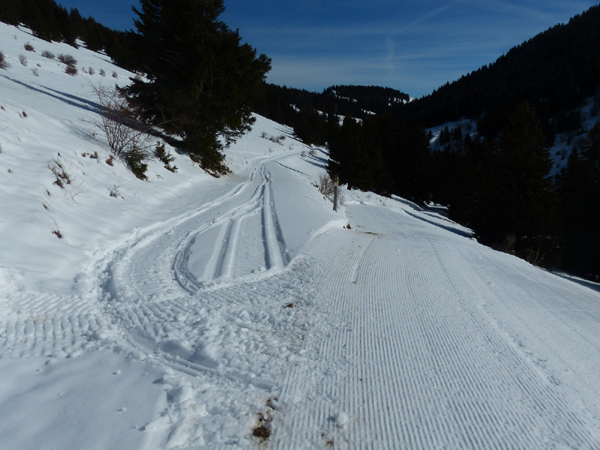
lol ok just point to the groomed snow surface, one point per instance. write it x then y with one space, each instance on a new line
187 312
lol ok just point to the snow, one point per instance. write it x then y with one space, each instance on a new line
188 311
564 143
466 125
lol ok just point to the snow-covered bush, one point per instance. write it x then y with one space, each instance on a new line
23 60
47 54
114 191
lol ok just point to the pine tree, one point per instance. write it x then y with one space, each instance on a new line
200 78
9 12
580 195
519 202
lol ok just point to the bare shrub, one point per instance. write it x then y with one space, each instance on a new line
23 60
102 73
47 54
508 245
68 60
127 137
325 185
277 139
3 63
29 47
71 70
59 171
91 70
115 74
57 233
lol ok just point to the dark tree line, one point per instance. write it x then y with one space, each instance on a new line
383 154
52 22
554 71
580 203
500 187
312 114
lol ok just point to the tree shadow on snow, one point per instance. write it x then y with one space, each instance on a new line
71 100
585 283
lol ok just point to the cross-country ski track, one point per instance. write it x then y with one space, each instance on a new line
260 307
185 312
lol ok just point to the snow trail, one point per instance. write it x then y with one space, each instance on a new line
410 356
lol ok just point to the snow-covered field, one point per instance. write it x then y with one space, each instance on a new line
189 312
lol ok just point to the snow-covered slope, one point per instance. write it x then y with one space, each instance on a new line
189 312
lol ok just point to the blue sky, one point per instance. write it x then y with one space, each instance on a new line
415 46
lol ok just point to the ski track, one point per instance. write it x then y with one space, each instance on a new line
405 337
204 324
416 360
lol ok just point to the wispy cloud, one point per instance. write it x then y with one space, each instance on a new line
414 46
390 44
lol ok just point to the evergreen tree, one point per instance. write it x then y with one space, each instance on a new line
580 195
518 203
200 78
65 25
9 12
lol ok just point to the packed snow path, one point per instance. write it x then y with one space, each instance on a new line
398 333
428 340
258 307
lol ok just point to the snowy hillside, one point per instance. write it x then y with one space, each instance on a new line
188 312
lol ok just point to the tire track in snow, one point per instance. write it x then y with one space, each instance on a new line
275 254
186 295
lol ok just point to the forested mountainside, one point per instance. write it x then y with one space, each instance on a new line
555 72
309 112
